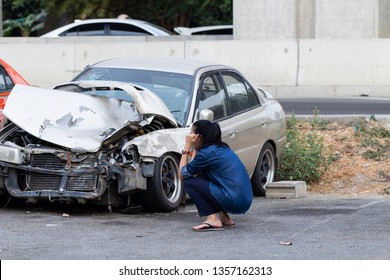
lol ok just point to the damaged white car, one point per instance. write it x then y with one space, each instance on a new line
114 135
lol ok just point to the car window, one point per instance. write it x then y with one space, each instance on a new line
90 29
224 31
2 79
119 29
239 97
5 80
212 97
253 98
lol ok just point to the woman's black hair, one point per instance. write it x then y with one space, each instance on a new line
210 132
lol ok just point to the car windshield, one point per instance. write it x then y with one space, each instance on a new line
173 88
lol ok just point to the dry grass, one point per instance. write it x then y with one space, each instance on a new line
352 173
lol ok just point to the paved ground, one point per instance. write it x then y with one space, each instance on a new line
319 228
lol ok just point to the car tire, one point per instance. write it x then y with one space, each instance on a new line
265 170
165 189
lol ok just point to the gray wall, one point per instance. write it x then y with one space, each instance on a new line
286 67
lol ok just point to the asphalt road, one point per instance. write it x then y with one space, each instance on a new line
318 228
336 106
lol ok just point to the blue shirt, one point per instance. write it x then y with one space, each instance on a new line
228 180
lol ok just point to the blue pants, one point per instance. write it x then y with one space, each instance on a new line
199 191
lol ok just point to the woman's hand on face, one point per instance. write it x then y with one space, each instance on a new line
191 139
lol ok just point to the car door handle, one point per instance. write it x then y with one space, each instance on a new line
232 132
263 123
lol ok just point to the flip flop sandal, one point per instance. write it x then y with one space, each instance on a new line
207 227
228 226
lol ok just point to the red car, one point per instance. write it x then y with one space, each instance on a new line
8 78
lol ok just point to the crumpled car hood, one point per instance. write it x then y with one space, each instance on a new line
79 121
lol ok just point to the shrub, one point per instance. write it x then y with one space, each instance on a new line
305 157
375 139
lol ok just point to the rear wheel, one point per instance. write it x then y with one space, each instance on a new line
164 190
265 170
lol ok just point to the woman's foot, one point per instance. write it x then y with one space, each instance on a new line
212 222
206 227
225 219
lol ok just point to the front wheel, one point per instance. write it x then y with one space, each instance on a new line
164 190
265 170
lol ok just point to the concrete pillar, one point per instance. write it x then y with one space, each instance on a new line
311 19
384 18
305 19
341 19
264 19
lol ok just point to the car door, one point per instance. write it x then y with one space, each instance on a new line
212 96
249 117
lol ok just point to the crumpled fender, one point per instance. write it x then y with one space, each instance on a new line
154 144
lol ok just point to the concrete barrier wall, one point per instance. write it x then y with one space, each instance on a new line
285 67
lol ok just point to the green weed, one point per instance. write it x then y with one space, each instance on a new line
305 157
374 139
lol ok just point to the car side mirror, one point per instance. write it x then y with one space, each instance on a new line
206 114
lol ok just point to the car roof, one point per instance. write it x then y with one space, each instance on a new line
175 65
154 29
